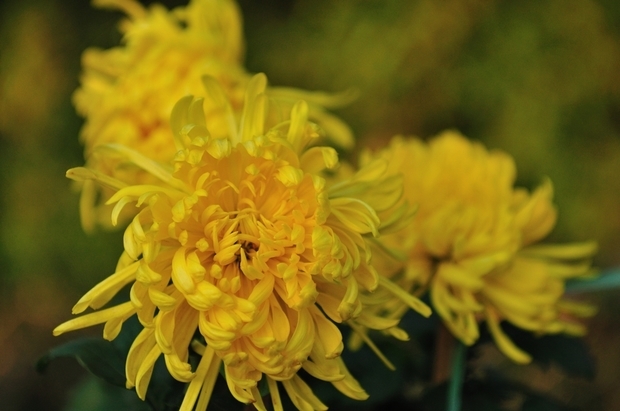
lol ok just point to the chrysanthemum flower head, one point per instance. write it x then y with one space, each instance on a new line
245 242
128 91
472 243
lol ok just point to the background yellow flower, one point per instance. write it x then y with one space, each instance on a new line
471 244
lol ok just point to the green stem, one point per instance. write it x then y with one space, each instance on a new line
456 381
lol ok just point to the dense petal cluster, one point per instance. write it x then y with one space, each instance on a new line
471 244
128 91
244 242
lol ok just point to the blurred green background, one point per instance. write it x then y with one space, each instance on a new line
538 79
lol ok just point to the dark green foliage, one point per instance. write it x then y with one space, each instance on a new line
571 354
537 402
491 392
98 356
96 395
380 382
106 360
405 388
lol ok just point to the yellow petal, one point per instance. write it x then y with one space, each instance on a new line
327 334
275 394
302 396
95 318
299 118
503 342
571 251
105 290
203 382
349 385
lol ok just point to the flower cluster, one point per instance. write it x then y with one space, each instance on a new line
249 244
472 243
127 92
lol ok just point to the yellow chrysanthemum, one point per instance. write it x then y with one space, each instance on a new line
127 92
471 243
245 242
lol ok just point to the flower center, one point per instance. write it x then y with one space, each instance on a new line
250 249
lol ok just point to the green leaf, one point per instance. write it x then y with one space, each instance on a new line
607 280
222 399
164 393
263 387
93 394
107 360
98 356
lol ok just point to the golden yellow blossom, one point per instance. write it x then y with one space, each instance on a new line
128 91
471 244
244 241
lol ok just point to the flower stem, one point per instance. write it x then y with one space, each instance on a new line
456 380
444 348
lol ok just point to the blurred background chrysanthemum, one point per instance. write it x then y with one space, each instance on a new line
537 79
